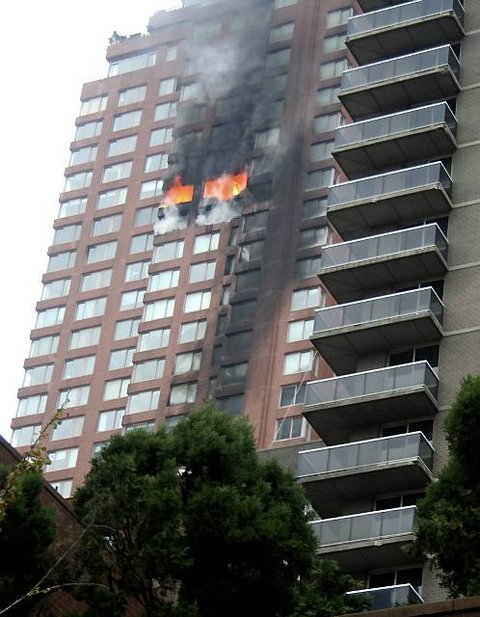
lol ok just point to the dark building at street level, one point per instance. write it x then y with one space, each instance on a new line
194 223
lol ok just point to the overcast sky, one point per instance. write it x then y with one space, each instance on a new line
49 49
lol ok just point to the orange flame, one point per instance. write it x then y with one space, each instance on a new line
178 193
226 186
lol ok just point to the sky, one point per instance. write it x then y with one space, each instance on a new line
48 50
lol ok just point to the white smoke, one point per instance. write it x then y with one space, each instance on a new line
220 212
171 221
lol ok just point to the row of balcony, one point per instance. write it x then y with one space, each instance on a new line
403 28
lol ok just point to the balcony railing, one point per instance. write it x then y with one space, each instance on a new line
414 238
401 82
360 527
389 597
407 303
388 380
376 34
354 456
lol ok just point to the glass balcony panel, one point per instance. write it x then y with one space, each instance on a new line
373 452
344 457
365 23
392 124
366 526
389 597
393 182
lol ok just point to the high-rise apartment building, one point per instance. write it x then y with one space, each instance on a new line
222 122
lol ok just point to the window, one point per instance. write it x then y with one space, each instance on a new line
417 354
121 146
248 280
193 90
164 111
193 114
50 317
136 271
78 181
290 428
327 122
338 17
44 346
93 105
328 96
38 375
68 428
169 250
115 388
188 140
400 576
316 236
56 289
96 280
121 358
63 487
241 341
182 393
208 29
206 242
110 420
334 43
321 151
69 233
250 251
132 95
167 86
90 129
146 371
117 172
279 4
164 280
26 435
141 426
146 216
278 58
425 426
255 222
79 367
31 405
155 339
156 162
127 120
192 331
73 397
127 328
283 32
186 362
132 63
171 53
198 301
243 310
72 207
332 69
141 243
320 179
98 447
101 252
306 298
226 293
83 155
151 188
159 309
298 362
158 137
229 265
85 337
106 225
143 401
62 459
314 207
203 271
61 261
234 373
299 330
293 395
305 268
171 421
131 299
233 405
90 308
115 197
265 139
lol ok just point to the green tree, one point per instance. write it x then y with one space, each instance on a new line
448 523
27 530
191 523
